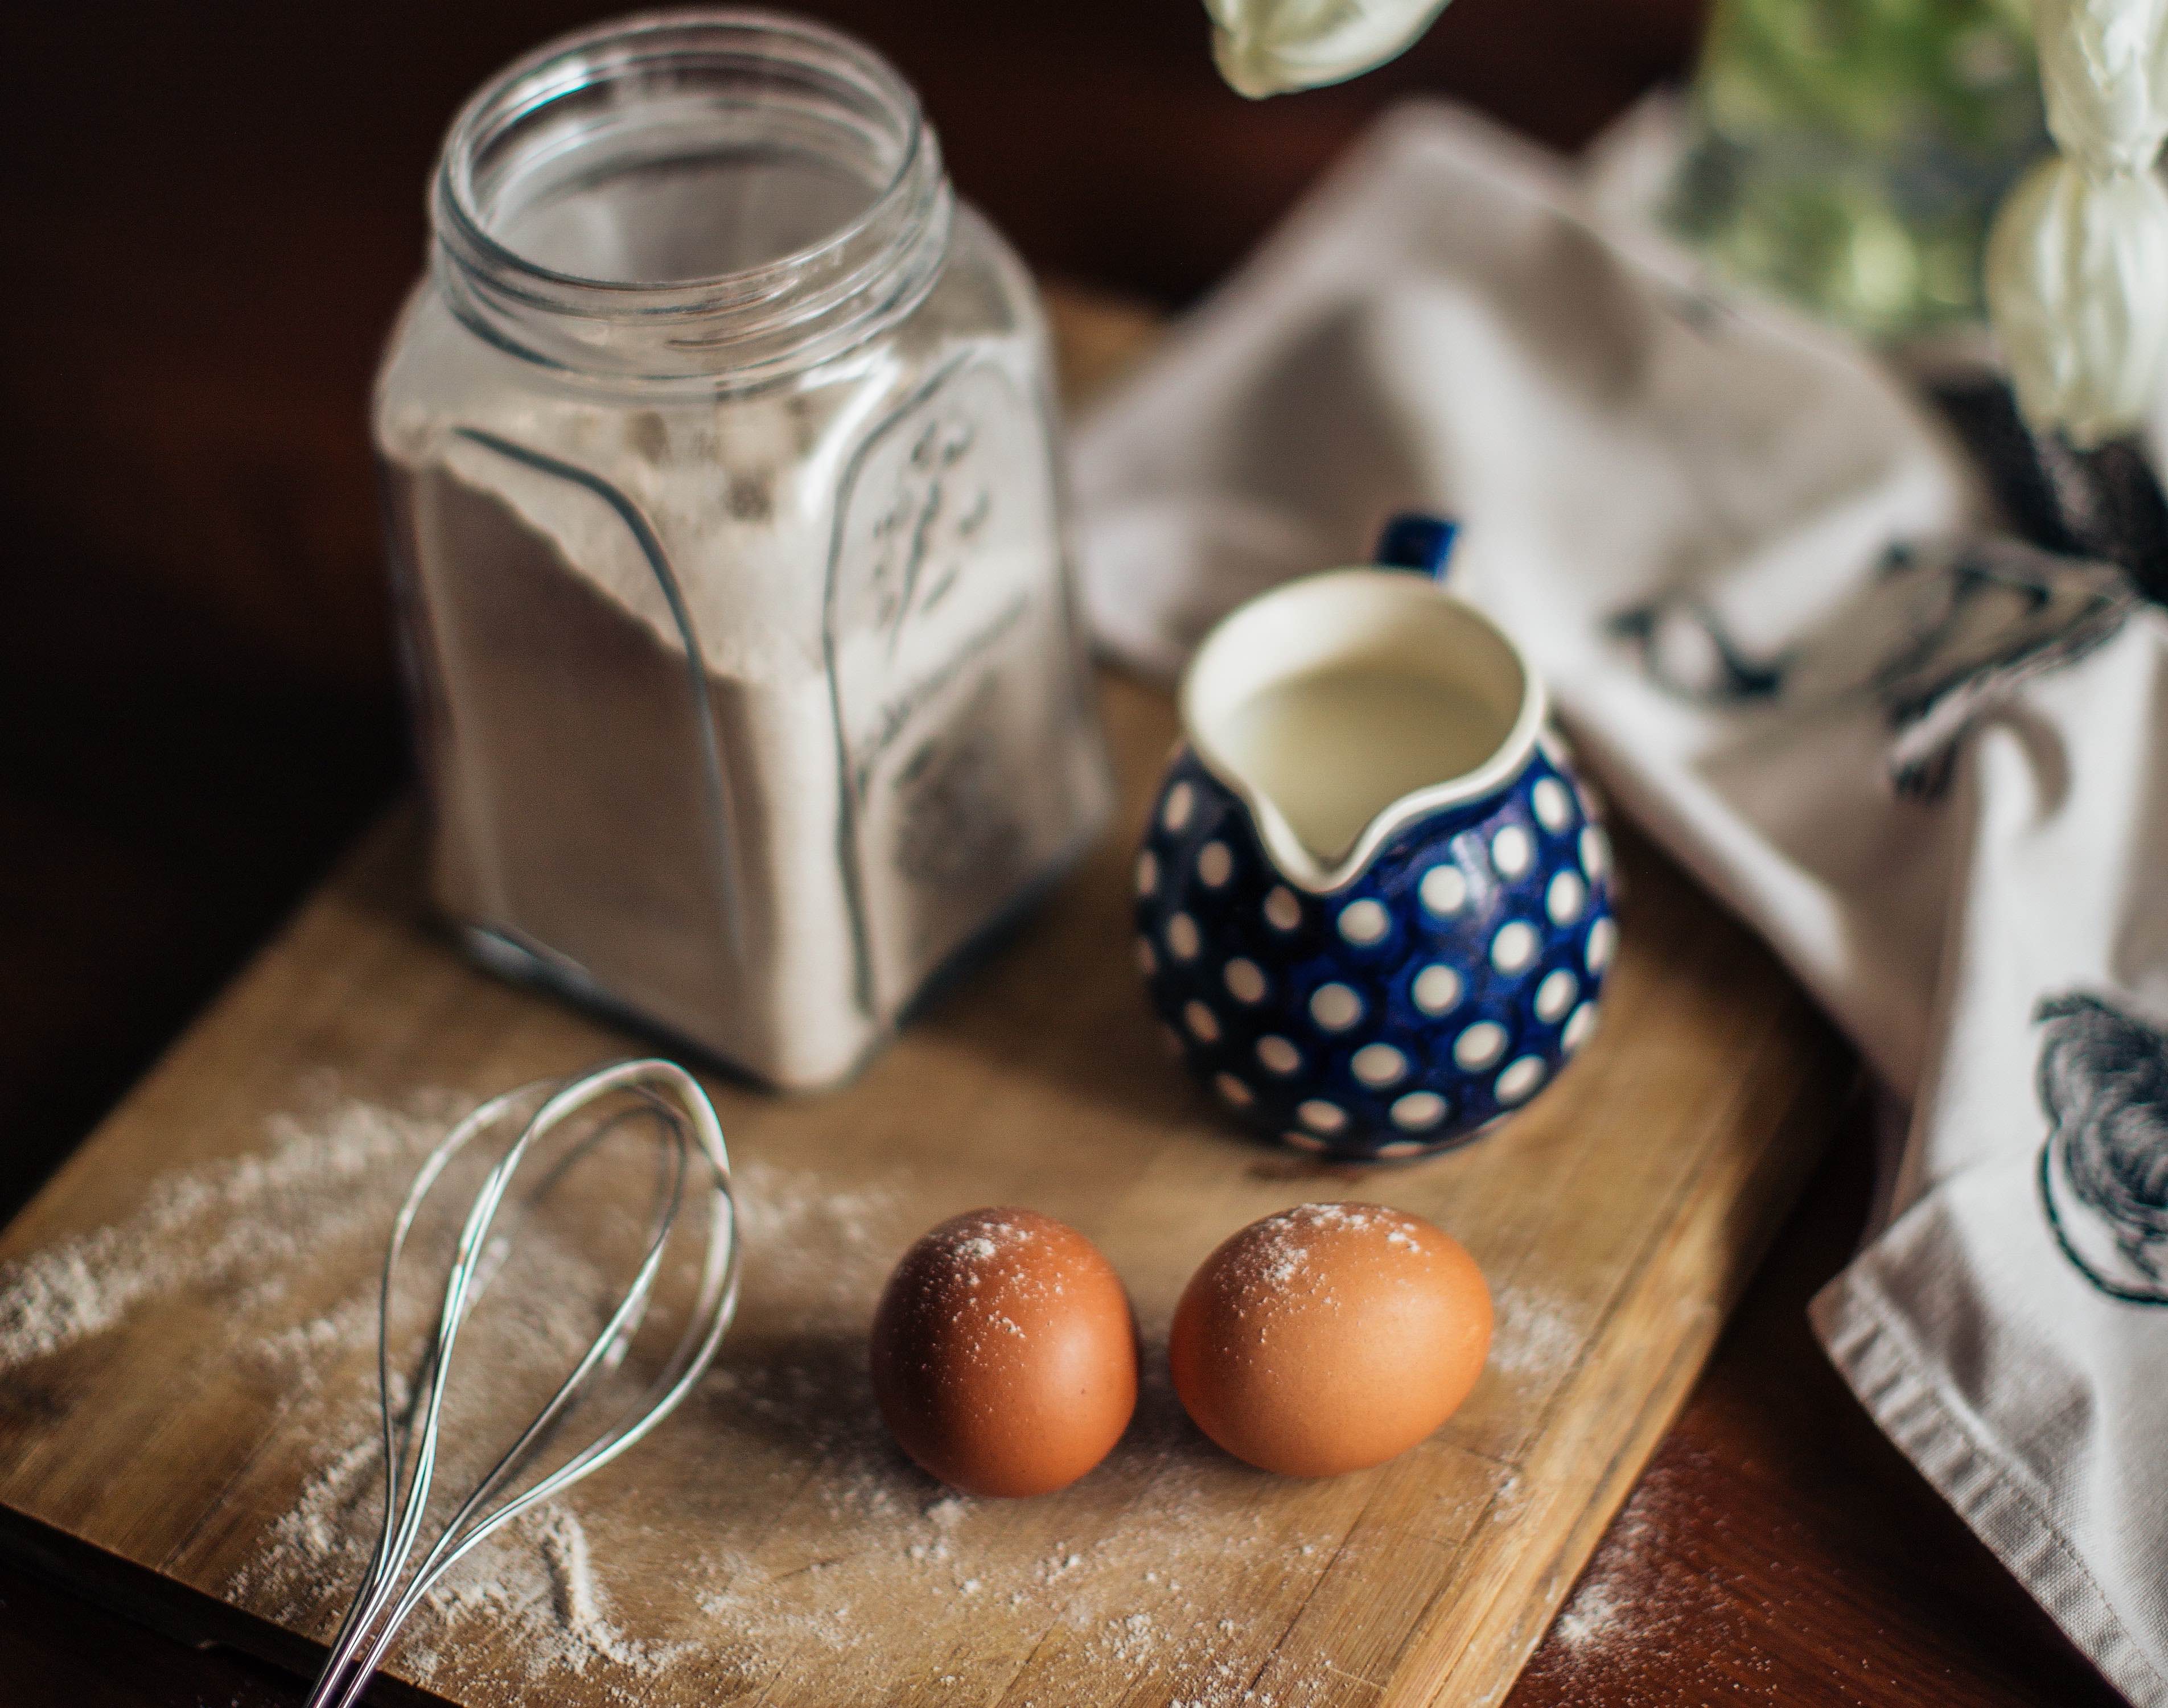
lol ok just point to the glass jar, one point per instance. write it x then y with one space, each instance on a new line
719 447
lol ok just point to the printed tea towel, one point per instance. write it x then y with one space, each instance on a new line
1798 640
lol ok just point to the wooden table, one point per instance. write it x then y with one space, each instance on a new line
212 218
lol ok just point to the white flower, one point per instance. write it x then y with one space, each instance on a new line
1266 47
2102 67
2077 281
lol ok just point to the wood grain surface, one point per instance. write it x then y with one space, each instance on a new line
1616 1219
212 214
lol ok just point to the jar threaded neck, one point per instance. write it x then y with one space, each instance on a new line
701 199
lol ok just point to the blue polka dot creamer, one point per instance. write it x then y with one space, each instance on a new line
1402 994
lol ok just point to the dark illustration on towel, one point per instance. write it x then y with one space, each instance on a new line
2105 504
1942 634
2104 1169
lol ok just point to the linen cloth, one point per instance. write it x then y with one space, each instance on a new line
1935 778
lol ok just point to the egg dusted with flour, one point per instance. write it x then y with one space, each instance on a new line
1005 1353
1329 1337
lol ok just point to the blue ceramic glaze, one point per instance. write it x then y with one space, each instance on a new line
1440 986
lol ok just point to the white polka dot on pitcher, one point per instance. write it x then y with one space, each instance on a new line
1602 939
1244 980
1363 922
1510 851
1563 900
1554 996
1334 1007
1279 1055
1215 865
1321 1116
1418 1109
1595 853
1282 912
1444 889
1147 872
1480 1045
1514 946
1233 1089
1181 801
1554 806
1204 1025
1578 1028
1518 1081
1182 938
1147 962
1303 1141
1436 989
1378 1064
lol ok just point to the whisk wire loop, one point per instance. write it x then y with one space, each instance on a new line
411 1426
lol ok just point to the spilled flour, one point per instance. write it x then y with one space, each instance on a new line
767 1544
1651 1625
251 1221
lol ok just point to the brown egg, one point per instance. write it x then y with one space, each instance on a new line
1329 1337
1005 1353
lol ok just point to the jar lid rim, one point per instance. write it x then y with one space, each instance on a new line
568 62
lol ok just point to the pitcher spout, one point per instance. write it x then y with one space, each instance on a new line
1350 703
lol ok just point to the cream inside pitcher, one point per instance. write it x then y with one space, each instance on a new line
1348 702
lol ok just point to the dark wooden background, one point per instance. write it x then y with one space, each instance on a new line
208 214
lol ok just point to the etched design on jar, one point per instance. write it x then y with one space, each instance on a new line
950 659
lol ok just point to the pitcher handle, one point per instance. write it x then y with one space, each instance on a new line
1416 539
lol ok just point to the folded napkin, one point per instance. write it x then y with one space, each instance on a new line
1781 612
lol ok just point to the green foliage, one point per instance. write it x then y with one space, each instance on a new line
1848 154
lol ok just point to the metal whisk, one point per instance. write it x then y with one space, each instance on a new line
698 1165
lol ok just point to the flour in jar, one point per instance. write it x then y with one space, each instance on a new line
746 714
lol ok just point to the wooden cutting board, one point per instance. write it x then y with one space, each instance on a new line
187 1319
